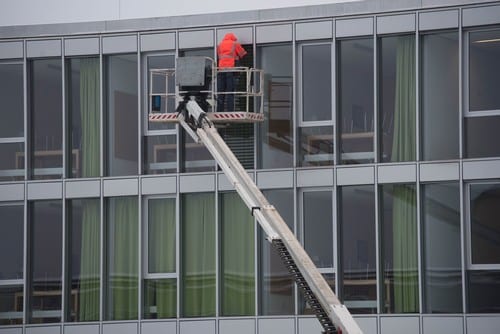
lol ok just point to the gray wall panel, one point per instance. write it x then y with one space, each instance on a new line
314 30
159 327
12 192
276 326
81 46
196 39
76 189
397 173
354 27
121 187
237 326
480 16
273 33
197 327
439 171
355 175
197 183
119 44
52 190
309 325
244 34
224 184
438 20
439 325
312 178
483 325
156 42
367 325
43 48
481 169
274 180
398 325
159 185
11 330
81 329
43 330
11 50
395 23
128 328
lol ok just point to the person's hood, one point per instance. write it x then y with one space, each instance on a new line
230 36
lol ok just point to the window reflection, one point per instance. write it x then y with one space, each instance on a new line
316 146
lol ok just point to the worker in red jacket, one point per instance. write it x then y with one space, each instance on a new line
228 52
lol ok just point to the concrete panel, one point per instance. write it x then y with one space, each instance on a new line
397 325
355 175
81 329
121 187
159 185
12 192
119 44
439 171
244 34
196 39
44 190
367 325
11 331
197 183
81 46
224 184
43 330
483 325
480 16
156 42
276 326
239 326
169 327
275 180
445 19
81 189
313 178
354 27
197 327
128 328
273 33
438 325
11 50
43 48
395 23
481 169
314 30
309 325
397 173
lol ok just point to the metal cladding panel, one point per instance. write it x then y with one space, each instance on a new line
481 169
313 178
395 23
314 30
12 192
158 42
11 331
396 325
121 187
43 330
197 327
197 183
44 190
483 325
81 329
119 44
309 325
354 27
80 189
81 46
243 34
274 33
275 180
224 184
355 175
239 326
126 328
439 171
438 325
480 16
43 48
11 50
446 19
159 327
159 185
196 39
397 173
367 325
276 326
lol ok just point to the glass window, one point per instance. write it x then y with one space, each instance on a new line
84 117
198 255
397 102
439 96
122 272
11 95
484 66
276 284
316 60
11 305
121 115
399 285
316 147
276 132
355 100
358 248
45 262
237 257
442 248
482 136
11 241
160 154
483 291
84 255
11 161
160 284
45 86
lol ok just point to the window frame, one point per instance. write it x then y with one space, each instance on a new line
6 283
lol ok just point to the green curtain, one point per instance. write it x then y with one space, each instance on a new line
161 257
238 260
123 259
88 299
89 111
198 255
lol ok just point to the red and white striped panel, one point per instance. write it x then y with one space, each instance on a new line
164 118
235 117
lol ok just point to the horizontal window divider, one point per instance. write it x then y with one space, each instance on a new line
11 282
315 123
482 113
160 276
11 140
478 267
326 270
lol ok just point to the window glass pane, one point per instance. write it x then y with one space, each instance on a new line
163 81
160 298
304 307
84 117
316 147
238 257
11 161
483 291
316 82
198 255
46 118
11 95
318 227
276 132
240 139
355 94
160 154
45 290
399 249
11 241
442 249
484 66
11 305
161 235
121 277
397 101
482 136
485 226
121 115
358 248
276 285
439 96
84 257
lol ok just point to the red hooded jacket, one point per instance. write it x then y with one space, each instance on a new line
229 50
